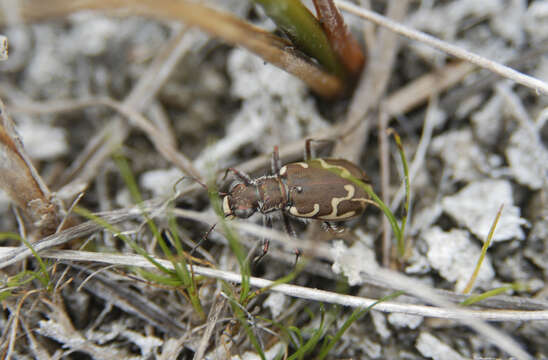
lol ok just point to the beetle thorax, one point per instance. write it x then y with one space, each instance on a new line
273 194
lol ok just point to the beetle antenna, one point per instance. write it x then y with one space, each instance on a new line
240 175
188 177
204 238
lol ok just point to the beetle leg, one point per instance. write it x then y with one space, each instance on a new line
267 221
332 228
288 227
243 177
276 161
293 234
308 155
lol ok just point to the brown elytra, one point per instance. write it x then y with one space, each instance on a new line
314 189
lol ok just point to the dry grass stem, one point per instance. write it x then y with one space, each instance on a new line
314 294
371 87
535 84
20 180
223 25
340 38
149 78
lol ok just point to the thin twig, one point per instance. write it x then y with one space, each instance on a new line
420 154
371 88
100 147
303 292
504 71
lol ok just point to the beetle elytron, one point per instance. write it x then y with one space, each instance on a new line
303 189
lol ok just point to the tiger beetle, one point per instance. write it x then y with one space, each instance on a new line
317 188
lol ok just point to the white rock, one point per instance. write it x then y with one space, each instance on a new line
400 320
425 217
43 141
528 159
276 302
461 154
509 21
454 255
536 21
488 120
417 264
351 262
160 182
379 320
431 347
476 206
147 344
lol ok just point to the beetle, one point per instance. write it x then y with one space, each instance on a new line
308 189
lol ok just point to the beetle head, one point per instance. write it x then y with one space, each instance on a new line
241 201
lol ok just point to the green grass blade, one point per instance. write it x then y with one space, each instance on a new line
139 250
369 190
238 311
304 30
401 238
233 242
483 252
283 280
310 345
129 179
172 281
356 315
44 278
487 294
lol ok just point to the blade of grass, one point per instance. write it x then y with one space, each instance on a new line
487 294
172 281
90 216
45 278
396 228
401 239
240 314
356 315
304 30
182 275
185 271
233 241
483 252
313 341
129 179
283 280
369 190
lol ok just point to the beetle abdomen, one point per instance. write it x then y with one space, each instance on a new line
319 193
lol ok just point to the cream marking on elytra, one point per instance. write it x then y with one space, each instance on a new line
294 211
283 170
335 204
303 164
344 172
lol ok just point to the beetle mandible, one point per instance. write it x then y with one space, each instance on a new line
308 189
